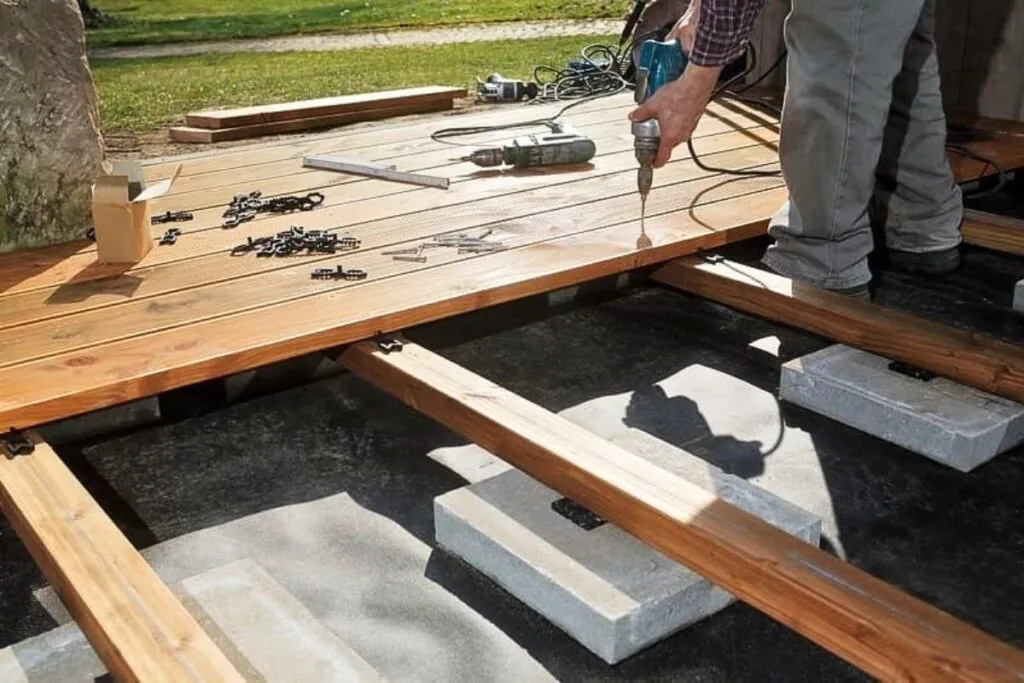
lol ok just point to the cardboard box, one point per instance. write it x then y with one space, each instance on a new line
121 211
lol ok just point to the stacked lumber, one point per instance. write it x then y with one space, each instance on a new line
294 117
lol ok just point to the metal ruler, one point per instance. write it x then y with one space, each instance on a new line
326 162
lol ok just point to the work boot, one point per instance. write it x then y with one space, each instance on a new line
862 292
941 262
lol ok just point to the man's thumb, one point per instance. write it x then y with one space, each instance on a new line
642 113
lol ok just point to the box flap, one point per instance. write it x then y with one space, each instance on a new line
111 189
158 189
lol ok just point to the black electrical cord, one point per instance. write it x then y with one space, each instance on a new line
1000 170
578 85
724 89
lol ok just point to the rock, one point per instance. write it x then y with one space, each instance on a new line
50 143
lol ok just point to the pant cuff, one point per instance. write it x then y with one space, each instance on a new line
796 269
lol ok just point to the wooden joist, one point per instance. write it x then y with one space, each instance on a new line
137 627
860 618
990 231
970 358
324 106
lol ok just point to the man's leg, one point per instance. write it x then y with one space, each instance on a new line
917 198
843 58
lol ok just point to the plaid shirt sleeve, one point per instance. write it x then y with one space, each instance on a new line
722 27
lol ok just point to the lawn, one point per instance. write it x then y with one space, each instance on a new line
141 95
135 22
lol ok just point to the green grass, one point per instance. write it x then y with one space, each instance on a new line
140 95
135 22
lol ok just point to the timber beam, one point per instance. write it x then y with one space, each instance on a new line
137 627
860 618
966 357
995 232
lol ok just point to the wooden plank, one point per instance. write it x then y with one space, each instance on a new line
137 627
324 106
32 270
419 151
203 135
990 231
867 622
289 279
29 310
967 357
363 136
69 384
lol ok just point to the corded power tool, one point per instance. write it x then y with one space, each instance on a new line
659 63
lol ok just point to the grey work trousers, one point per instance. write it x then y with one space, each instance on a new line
862 141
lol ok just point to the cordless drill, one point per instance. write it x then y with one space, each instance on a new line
563 145
659 63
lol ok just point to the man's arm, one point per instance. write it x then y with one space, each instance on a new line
717 39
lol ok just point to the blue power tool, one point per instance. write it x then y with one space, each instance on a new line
659 63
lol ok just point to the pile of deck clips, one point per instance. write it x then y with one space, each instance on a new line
296 241
244 207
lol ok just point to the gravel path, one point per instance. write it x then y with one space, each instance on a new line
328 42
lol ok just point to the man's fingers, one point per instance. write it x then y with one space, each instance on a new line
664 154
643 112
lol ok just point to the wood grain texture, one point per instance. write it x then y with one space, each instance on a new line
169 286
867 622
137 627
360 204
324 106
990 231
74 383
970 358
204 135
366 135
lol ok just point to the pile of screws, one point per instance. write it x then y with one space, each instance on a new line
296 241
244 207
461 241
171 236
466 244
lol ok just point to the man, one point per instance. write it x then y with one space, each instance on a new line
863 132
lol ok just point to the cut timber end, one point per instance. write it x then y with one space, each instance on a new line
137 627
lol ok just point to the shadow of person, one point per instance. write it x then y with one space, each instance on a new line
677 420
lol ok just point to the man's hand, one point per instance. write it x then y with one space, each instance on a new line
678 107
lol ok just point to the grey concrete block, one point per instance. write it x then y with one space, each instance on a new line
139 413
1018 296
277 637
266 633
951 423
609 591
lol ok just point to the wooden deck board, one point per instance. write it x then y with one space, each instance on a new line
28 273
79 336
523 213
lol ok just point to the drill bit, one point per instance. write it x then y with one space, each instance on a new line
646 142
644 177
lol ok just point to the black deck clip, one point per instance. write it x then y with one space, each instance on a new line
172 217
387 343
171 236
15 443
